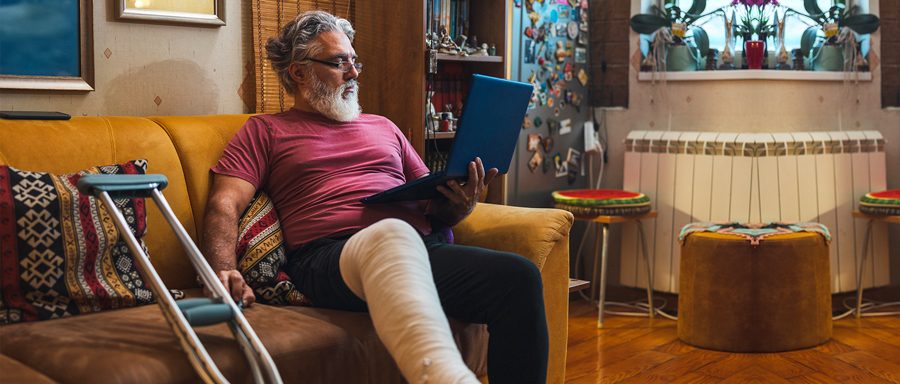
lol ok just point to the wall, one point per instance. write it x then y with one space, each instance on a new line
748 106
192 70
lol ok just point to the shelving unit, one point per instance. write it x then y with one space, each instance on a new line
390 40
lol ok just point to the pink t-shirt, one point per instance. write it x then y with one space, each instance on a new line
316 169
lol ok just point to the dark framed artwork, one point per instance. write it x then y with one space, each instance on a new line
208 12
46 45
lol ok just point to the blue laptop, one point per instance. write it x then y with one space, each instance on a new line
488 128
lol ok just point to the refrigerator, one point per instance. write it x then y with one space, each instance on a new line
550 49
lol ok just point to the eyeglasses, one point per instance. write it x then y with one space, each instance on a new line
343 66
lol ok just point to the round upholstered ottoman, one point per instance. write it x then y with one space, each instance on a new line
756 292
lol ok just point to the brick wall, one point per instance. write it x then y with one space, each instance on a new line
610 55
890 53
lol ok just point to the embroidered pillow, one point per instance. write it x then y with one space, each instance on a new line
60 253
261 255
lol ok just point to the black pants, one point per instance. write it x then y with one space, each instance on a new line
475 285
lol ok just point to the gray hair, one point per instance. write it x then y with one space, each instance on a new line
297 41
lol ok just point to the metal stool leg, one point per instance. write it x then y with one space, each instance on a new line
649 273
862 267
604 228
596 260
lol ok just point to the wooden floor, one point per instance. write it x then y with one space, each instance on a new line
640 350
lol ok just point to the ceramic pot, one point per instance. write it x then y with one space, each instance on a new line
681 58
829 57
754 50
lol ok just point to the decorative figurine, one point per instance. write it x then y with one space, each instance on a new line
798 60
493 50
711 58
446 44
474 40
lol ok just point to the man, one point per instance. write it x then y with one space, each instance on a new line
316 161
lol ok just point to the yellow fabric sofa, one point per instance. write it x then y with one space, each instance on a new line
309 345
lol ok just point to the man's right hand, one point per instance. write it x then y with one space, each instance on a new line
236 286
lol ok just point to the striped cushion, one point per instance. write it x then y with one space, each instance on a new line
600 198
261 254
60 253
603 211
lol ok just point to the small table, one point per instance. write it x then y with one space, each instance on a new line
872 220
603 230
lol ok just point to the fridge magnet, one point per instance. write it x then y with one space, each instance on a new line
537 122
550 102
572 29
565 126
532 77
569 48
560 52
574 158
560 29
582 77
554 16
518 3
557 161
529 52
584 4
527 123
562 104
547 143
582 38
580 55
544 99
552 126
529 32
556 112
583 15
568 76
562 170
534 141
576 102
569 96
583 26
574 3
535 161
556 91
546 163
573 175
535 17
563 11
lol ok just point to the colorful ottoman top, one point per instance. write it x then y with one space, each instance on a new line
600 198
882 199
755 231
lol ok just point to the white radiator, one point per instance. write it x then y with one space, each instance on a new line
804 176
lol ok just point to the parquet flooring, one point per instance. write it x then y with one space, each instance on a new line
641 350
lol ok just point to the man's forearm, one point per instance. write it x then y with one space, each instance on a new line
219 238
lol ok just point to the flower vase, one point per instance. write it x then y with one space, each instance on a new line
829 57
754 50
680 58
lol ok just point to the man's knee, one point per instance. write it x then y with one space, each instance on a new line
389 238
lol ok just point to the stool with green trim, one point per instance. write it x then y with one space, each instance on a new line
609 206
881 206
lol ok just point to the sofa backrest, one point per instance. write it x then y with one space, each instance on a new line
181 148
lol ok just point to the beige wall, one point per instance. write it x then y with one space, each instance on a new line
193 70
752 106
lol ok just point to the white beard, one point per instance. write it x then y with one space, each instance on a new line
330 102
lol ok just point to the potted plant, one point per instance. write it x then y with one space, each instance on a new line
688 42
829 55
755 21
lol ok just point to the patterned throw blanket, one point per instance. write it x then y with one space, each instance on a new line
754 231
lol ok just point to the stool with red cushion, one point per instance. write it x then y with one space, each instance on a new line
608 206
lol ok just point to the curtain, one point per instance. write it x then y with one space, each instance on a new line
267 18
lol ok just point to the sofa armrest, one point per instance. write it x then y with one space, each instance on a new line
542 236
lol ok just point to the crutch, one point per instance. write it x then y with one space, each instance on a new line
185 314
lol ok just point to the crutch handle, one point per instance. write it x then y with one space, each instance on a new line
121 186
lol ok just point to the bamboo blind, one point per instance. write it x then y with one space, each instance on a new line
268 16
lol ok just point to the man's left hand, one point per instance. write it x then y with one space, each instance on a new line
461 199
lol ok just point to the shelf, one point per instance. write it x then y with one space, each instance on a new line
576 285
440 135
763 74
470 58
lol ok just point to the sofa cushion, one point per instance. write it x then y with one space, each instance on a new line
16 372
61 254
136 345
261 254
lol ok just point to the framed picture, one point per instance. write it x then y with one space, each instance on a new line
533 142
580 55
208 12
47 47
574 158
